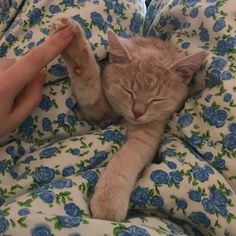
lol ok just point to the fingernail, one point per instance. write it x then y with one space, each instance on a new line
66 32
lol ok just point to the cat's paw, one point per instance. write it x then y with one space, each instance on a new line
110 201
63 22
59 24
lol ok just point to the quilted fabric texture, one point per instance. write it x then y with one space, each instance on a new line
49 166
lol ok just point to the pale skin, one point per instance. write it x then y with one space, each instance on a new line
21 82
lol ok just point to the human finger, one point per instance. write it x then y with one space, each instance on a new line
29 65
26 102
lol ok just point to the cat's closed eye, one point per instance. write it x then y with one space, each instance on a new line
128 91
156 100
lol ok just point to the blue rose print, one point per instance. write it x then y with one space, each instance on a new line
204 35
28 159
227 97
162 21
46 124
219 163
54 9
215 117
23 212
110 135
49 152
211 11
44 175
185 119
160 177
190 3
61 119
200 174
4 224
18 51
41 229
10 38
71 120
221 47
97 19
35 16
27 126
98 158
62 183
88 33
219 63
208 206
68 2
208 169
134 230
223 211
200 218
5 8
231 42
69 221
28 35
194 195
176 177
75 151
46 103
157 201
185 45
136 22
181 203
118 8
171 165
140 196
3 166
226 75
219 25
72 210
218 198
21 150
47 196
2 200
91 176
70 103
232 128
10 150
109 4
193 13
58 70
215 77
67 171
3 50
229 141
195 140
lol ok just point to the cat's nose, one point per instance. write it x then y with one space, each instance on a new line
137 113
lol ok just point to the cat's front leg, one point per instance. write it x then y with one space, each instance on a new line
84 72
111 198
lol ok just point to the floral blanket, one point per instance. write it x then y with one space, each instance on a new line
49 166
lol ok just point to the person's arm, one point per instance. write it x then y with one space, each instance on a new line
21 84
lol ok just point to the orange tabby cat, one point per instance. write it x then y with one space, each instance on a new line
145 81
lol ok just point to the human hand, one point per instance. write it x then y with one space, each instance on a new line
21 84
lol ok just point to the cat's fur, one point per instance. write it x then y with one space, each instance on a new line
145 81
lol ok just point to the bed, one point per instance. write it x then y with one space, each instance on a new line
50 164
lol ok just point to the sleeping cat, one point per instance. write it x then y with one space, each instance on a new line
145 82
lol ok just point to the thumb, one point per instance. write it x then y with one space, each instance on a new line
27 101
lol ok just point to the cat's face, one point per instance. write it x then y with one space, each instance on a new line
143 85
141 95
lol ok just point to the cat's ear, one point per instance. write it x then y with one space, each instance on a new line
119 52
187 66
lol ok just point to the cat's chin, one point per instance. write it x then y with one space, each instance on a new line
137 121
